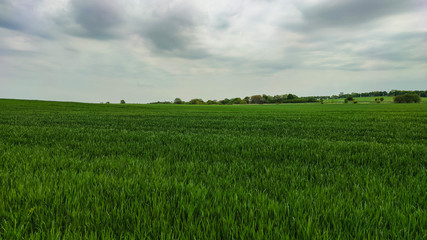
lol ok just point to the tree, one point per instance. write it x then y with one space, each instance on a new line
291 96
278 99
346 100
257 99
350 98
236 100
178 101
226 101
381 99
311 99
268 98
211 102
196 101
122 101
407 98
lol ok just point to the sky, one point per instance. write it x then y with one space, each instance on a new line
156 50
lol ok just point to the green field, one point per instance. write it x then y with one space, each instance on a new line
306 171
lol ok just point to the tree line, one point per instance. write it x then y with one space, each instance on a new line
392 93
255 99
409 96
292 98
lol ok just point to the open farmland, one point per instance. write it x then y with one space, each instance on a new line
74 170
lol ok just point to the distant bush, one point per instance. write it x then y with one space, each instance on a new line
291 96
212 102
226 101
159 102
178 101
346 100
355 101
122 101
407 98
301 100
196 101
257 99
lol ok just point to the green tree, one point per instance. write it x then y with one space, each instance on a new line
291 96
178 101
236 100
196 101
268 98
212 102
407 98
226 101
257 99
122 101
278 98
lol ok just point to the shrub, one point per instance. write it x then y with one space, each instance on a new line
122 101
291 96
355 101
407 98
211 102
197 101
257 99
346 100
178 101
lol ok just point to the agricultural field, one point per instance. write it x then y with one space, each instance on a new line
130 171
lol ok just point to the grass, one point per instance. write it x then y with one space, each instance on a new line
307 171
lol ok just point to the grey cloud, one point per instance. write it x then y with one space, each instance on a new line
344 13
354 50
98 18
410 36
14 52
12 17
172 32
21 17
169 33
406 46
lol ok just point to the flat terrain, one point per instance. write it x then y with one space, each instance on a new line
330 171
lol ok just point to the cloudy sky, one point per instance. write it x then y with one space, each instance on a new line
150 50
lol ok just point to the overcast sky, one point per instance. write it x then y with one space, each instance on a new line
143 51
